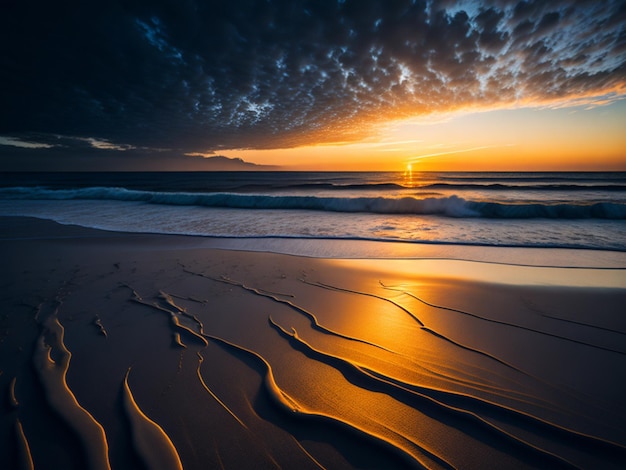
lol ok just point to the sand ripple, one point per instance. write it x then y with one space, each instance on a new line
242 360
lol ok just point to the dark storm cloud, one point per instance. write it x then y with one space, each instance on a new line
192 75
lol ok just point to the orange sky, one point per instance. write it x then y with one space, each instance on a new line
440 85
567 138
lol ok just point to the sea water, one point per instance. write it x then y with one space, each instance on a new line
557 210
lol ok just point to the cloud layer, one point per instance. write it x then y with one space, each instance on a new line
200 76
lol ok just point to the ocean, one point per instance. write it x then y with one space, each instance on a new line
556 210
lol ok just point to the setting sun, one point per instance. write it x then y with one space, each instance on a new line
505 140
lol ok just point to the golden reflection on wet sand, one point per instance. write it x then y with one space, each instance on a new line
242 360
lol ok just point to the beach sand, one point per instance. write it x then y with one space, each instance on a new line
152 351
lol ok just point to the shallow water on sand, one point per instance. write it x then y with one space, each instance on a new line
559 210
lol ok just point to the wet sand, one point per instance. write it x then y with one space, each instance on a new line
149 351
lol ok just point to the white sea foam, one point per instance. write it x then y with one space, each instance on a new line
125 216
573 210
450 206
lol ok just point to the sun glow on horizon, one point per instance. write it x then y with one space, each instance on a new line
517 140
408 174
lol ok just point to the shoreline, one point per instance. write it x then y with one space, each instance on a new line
250 358
20 228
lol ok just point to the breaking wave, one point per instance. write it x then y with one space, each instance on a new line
450 206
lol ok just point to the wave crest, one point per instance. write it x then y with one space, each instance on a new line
450 206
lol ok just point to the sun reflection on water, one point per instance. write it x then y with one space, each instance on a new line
408 175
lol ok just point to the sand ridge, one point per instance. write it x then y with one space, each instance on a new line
251 359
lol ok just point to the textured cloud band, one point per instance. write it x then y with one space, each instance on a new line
199 75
